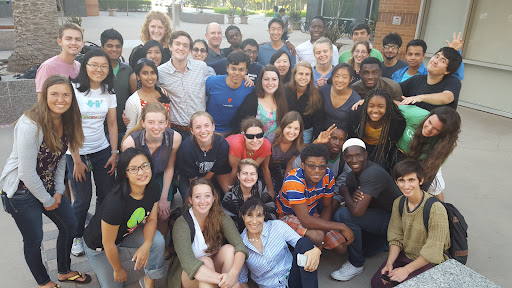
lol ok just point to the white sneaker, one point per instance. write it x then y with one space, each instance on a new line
346 272
78 247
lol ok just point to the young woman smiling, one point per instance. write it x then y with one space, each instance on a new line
152 135
248 185
33 177
205 154
281 60
287 142
94 89
322 50
200 51
380 124
147 74
302 96
151 50
267 102
251 144
338 96
128 218
360 51
202 259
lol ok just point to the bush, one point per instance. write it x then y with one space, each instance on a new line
227 11
271 13
120 5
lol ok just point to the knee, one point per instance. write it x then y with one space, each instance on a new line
303 245
158 241
208 262
227 249
342 215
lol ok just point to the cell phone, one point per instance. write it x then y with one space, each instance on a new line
302 260
386 278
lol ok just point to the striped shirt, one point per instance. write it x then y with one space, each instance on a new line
296 190
270 269
187 90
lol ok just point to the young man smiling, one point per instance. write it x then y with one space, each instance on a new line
275 30
184 80
371 72
391 45
71 41
226 92
369 194
306 188
305 50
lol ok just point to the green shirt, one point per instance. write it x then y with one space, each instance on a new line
345 56
115 70
413 116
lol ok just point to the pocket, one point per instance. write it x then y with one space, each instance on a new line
7 204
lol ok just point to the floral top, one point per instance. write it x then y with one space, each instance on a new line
47 162
268 119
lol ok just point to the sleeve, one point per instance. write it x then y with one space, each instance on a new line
438 235
229 202
181 240
60 175
231 233
243 277
459 74
370 184
335 56
112 211
345 56
185 160
112 101
235 147
453 85
297 162
42 74
28 142
132 110
341 180
397 129
290 236
406 86
396 91
294 189
222 157
329 189
395 229
246 109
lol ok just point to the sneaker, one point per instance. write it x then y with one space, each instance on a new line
346 272
78 247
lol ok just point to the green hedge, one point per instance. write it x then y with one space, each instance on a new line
271 14
227 11
120 5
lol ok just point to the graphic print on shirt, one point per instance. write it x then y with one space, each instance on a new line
93 107
205 167
138 216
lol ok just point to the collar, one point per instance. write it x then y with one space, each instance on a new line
165 139
173 69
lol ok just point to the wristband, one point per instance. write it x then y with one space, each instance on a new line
114 152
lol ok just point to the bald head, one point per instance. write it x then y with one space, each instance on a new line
213 35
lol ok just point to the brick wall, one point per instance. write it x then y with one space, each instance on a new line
408 10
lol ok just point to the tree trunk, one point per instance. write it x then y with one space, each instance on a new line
36 28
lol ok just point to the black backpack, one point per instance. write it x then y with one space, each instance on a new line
458 228
190 222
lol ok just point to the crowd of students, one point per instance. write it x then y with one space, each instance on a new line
268 145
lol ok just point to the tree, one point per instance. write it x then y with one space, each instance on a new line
36 30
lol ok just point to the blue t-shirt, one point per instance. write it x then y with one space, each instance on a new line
317 75
266 51
223 101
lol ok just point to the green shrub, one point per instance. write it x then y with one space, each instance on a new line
227 11
120 5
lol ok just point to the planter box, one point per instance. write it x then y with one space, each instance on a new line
243 19
111 12
231 19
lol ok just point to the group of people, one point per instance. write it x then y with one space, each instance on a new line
261 140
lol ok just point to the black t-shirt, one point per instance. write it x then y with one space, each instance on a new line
388 71
376 182
127 213
193 162
417 85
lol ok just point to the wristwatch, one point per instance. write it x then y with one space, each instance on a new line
114 151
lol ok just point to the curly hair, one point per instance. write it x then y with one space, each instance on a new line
439 151
392 112
166 22
213 225
315 98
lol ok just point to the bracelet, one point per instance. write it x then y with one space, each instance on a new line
114 152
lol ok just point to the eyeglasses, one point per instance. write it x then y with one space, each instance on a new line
234 69
197 50
252 136
314 167
390 47
253 52
134 170
360 52
145 60
96 66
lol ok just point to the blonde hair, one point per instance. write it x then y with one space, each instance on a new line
155 107
247 162
166 22
322 40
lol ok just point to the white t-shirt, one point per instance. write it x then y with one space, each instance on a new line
199 244
94 107
305 53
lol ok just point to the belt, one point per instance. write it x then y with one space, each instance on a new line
181 128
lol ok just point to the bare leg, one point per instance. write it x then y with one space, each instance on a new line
224 181
187 283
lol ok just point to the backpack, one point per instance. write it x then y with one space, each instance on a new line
190 222
458 228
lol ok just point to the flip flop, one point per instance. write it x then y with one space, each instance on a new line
75 278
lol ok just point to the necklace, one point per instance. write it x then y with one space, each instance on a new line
254 239
208 149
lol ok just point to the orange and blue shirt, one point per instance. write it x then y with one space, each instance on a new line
296 190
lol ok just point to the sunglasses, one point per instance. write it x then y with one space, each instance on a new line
145 60
202 50
252 136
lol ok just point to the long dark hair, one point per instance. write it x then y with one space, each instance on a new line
279 95
83 81
273 59
122 183
392 113
148 62
446 141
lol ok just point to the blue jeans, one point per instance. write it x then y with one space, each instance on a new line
374 221
308 136
27 213
300 278
83 190
154 269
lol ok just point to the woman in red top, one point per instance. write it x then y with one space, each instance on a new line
250 144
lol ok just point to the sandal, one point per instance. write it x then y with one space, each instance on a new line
77 276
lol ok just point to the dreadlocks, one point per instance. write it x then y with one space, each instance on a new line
379 154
